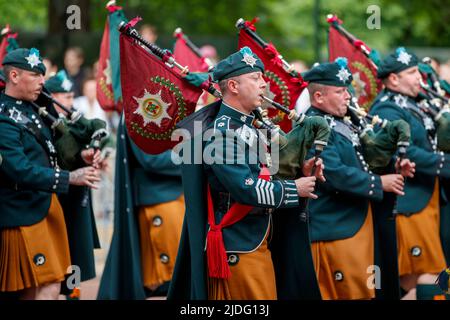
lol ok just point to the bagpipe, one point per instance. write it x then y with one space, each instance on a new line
284 82
393 136
437 105
378 147
307 131
74 133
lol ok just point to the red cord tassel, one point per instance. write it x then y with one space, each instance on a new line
216 255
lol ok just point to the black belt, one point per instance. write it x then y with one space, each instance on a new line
223 201
6 184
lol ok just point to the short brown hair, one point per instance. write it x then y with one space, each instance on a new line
223 84
7 69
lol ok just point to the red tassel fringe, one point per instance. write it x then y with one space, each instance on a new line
216 255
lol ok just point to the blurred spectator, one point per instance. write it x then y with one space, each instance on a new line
94 69
87 103
209 52
149 33
73 62
50 67
444 71
435 64
302 104
299 66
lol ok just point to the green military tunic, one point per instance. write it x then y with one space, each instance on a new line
430 162
28 173
230 182
140 180
343 201
344 198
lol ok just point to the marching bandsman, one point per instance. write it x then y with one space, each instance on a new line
341 224
34 256
230 196
77 204
420 254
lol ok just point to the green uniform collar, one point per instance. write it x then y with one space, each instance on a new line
318 112
227 110
11 100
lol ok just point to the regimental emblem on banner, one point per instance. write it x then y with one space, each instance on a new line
105 81
107 72
359 85
365 84
277 83
152 108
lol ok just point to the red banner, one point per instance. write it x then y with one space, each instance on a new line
285 88
3 46
186 56
364 73
155 97
105 93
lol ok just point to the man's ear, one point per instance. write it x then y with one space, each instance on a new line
14 76
232 86
318 96
393 79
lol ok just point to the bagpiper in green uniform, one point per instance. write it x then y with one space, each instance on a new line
230 195
341 225
34 253
76 204
420 252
